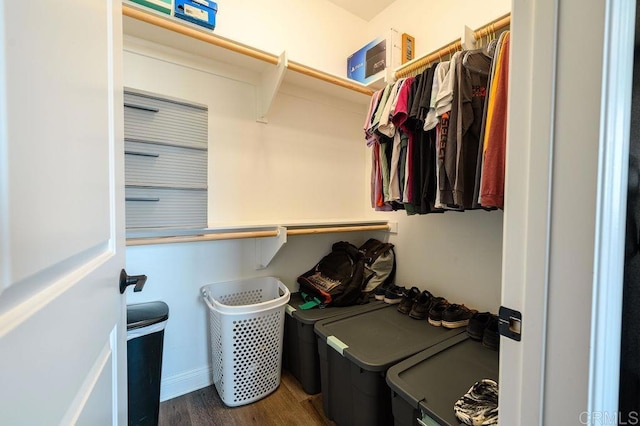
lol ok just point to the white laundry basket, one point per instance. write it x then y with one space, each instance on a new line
246 324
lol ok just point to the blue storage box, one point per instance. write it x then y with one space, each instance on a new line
201 12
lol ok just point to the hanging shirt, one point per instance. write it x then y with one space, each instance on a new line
445 94
495 141
472 86
396 170
399 118
448 145
490 51
431 120
386 126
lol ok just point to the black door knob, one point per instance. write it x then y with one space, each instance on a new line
127 280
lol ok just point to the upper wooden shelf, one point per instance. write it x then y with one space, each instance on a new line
167 31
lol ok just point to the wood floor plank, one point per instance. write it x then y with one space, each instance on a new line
174 412
294 386
289 405
206 408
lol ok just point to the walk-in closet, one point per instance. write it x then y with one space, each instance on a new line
151 150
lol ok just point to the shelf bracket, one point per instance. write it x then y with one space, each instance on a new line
267 248
270 81
468 39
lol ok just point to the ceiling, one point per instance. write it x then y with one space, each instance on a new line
365 9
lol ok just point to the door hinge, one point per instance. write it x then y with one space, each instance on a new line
510 323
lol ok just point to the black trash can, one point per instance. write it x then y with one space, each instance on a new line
145 337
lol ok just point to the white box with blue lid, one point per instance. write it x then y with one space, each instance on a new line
201 12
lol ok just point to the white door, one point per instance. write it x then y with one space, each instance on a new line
563 251
62 334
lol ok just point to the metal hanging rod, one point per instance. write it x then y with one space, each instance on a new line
487 30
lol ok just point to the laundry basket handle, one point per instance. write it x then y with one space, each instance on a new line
205 296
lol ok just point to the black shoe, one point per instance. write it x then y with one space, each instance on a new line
477 324
456 316
407 300
420 308
436 310
379 292
394 294
491 336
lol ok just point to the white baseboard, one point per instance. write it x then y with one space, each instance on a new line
186 382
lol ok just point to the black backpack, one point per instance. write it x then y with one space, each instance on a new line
379 264
338 279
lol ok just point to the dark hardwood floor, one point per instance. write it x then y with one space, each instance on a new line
288 405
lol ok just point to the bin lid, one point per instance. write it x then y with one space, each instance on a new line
311 316
145 314
377 339
455 367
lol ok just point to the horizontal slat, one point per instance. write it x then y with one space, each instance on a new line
173 123
141 107
145 199
180 145
175 208
164 98
172 167
142 154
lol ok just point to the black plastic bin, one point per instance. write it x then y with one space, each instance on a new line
428 384
300 342
145 337
355 353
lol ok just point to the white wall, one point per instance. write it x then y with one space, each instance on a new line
304 164
315 32
454 255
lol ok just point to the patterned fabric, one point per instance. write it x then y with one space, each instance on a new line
479 406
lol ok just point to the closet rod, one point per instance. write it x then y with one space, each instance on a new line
251 234
202 237
488 29
239 48
330 230
303 69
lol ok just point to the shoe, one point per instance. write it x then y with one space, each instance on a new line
394 294
379 292
408 300
435 312
456 316
479 406
420 308
477 324
491 336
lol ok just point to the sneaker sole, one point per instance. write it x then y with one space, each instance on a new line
455 324
379 297
392 301
435 323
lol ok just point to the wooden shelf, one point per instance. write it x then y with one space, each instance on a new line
167 31
269 239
